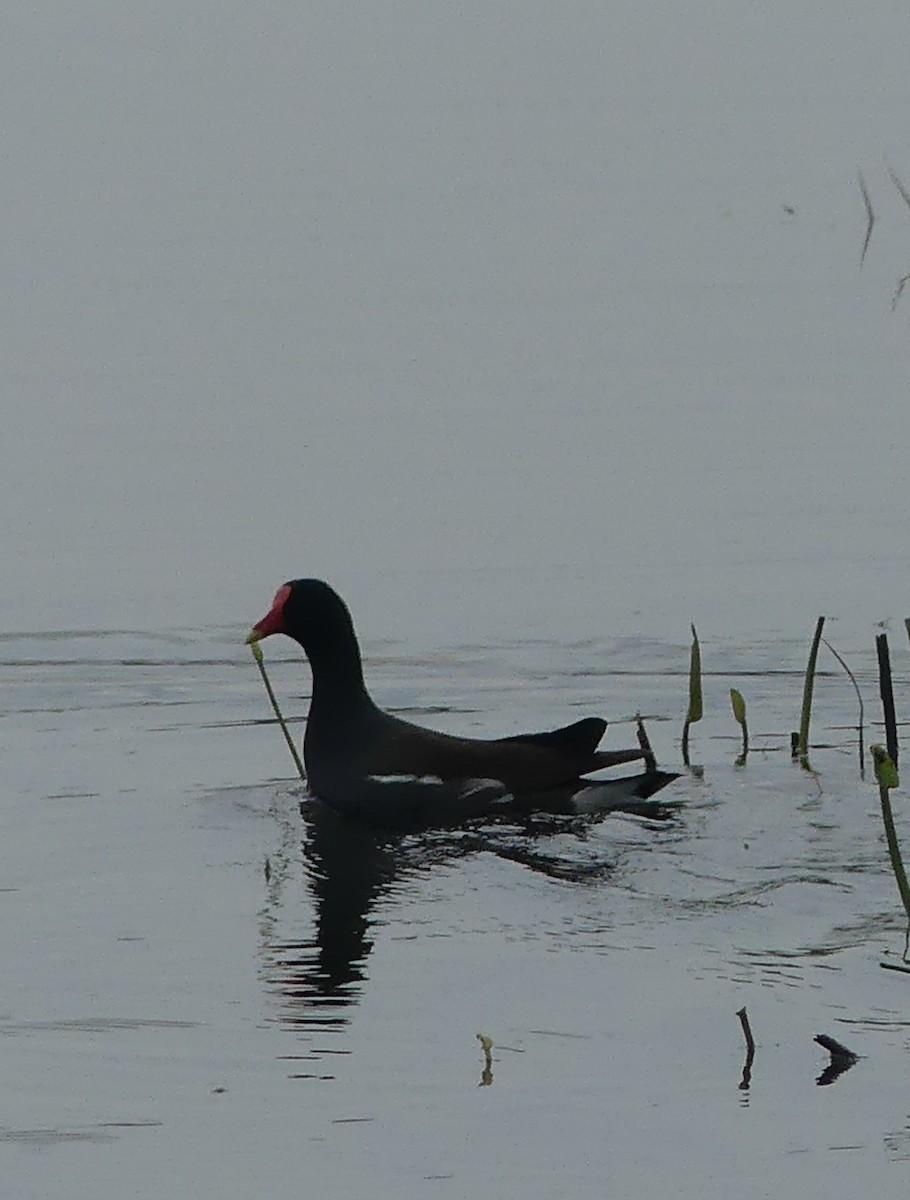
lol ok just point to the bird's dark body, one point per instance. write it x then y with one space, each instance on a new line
369 763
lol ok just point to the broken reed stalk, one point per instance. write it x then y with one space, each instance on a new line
887 777
750 1049
842 1059
256 651
739 712
747 1029
852 677
838 1051
887 694
695 697
644 743
803 744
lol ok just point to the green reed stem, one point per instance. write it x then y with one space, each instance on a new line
695 696
256 651
886 691
803 744
859 697
886 774
738 705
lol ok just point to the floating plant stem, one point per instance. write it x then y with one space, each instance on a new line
695 699
739 712
807 696
256 651
852 677
887 777
887 695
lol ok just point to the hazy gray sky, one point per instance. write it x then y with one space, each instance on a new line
490 310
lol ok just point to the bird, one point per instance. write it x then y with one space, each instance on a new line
380 769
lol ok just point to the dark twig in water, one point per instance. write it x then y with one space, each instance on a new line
852 677
645 743
870 216
750 1048
835 1049
887 694
747 1029
842 1059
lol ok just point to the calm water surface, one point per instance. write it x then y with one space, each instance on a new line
180 1016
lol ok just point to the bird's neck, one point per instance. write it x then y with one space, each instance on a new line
337 676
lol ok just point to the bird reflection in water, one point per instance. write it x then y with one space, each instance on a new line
351 866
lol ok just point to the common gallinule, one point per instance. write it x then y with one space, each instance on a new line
369 764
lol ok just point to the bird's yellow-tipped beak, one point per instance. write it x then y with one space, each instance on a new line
273 621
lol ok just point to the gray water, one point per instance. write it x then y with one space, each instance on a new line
539 332
210 992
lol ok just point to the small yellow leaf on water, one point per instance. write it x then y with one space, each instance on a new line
486 1043
739 706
